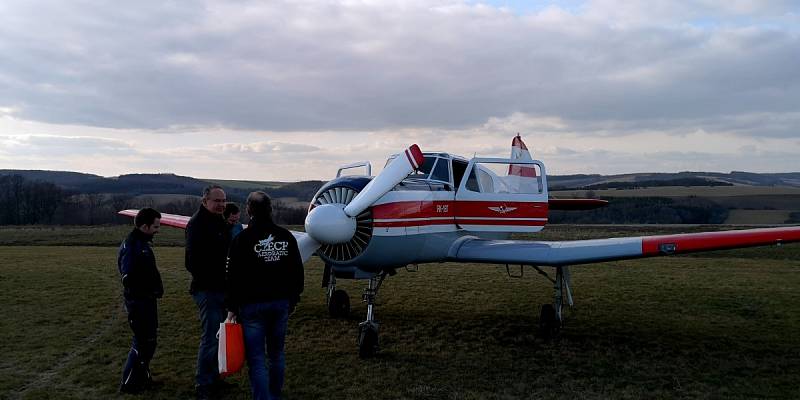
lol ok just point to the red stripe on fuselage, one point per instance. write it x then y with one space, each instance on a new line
459 209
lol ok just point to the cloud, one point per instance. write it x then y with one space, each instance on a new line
294 66
266 148
63 146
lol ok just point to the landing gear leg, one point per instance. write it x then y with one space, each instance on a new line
368 330
551 318
338 300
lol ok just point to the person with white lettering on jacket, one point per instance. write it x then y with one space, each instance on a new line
264 280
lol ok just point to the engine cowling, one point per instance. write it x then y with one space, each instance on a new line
341 192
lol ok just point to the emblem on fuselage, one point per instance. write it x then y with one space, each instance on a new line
503 209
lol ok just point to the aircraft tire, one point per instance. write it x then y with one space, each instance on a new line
549 326
339 304
367 341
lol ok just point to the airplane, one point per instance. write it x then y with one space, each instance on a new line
435 207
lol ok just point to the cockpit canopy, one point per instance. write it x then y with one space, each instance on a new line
441 168
497 176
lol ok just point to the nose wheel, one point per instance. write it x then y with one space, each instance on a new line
339 304
367 339
338 300
368 330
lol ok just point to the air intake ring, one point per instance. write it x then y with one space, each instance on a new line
344 194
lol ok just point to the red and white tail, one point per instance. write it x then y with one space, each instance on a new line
519 151
522 178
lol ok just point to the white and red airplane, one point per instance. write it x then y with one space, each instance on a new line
436 207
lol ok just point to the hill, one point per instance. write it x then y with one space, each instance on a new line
686 178
683 197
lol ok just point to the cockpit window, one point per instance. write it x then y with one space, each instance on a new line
425 169
441 172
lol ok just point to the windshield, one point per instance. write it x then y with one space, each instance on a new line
425 169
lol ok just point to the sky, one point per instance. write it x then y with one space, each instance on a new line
288 91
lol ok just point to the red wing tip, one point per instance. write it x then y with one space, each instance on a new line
417 154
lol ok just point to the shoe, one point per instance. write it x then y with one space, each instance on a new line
130 389
203 392
222 386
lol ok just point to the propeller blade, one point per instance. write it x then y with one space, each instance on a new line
306 244
394 173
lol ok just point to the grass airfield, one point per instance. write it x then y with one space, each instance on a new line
717 325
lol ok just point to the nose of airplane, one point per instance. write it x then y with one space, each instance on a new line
329 224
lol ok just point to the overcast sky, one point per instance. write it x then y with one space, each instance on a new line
291 90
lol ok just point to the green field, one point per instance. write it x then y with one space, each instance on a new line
720 325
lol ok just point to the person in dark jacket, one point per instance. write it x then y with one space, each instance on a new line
232 215
142 285
207 239
263 285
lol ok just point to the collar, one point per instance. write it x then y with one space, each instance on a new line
138 234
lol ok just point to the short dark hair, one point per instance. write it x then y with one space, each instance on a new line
207 190
146 216
259 205
230 209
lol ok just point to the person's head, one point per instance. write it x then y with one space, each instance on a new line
214 199
259 206
148 221
231 213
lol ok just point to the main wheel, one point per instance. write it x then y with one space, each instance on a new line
339 304
367 341
549 325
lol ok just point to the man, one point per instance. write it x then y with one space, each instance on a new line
264 283
142 285
232 215
207 239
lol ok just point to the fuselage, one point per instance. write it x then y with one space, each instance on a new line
421 219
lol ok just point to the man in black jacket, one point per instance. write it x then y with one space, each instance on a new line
142 285
207 239
264 283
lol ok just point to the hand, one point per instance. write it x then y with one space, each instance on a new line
231 317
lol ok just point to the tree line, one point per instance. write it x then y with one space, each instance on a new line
27 202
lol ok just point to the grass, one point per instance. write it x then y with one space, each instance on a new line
717 325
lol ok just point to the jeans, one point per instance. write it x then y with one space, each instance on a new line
212 312
264 324
143 320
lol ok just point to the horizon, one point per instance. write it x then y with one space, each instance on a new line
378 171
283 91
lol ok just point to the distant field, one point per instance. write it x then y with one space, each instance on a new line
683 191
758 216
243 184
723 325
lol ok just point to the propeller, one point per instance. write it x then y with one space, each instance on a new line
306 244
335 223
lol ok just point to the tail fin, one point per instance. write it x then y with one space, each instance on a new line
519 151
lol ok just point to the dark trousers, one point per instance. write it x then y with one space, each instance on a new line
143 320
264 326
212 312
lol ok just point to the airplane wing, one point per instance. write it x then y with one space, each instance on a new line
177 221
306 244
557 253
